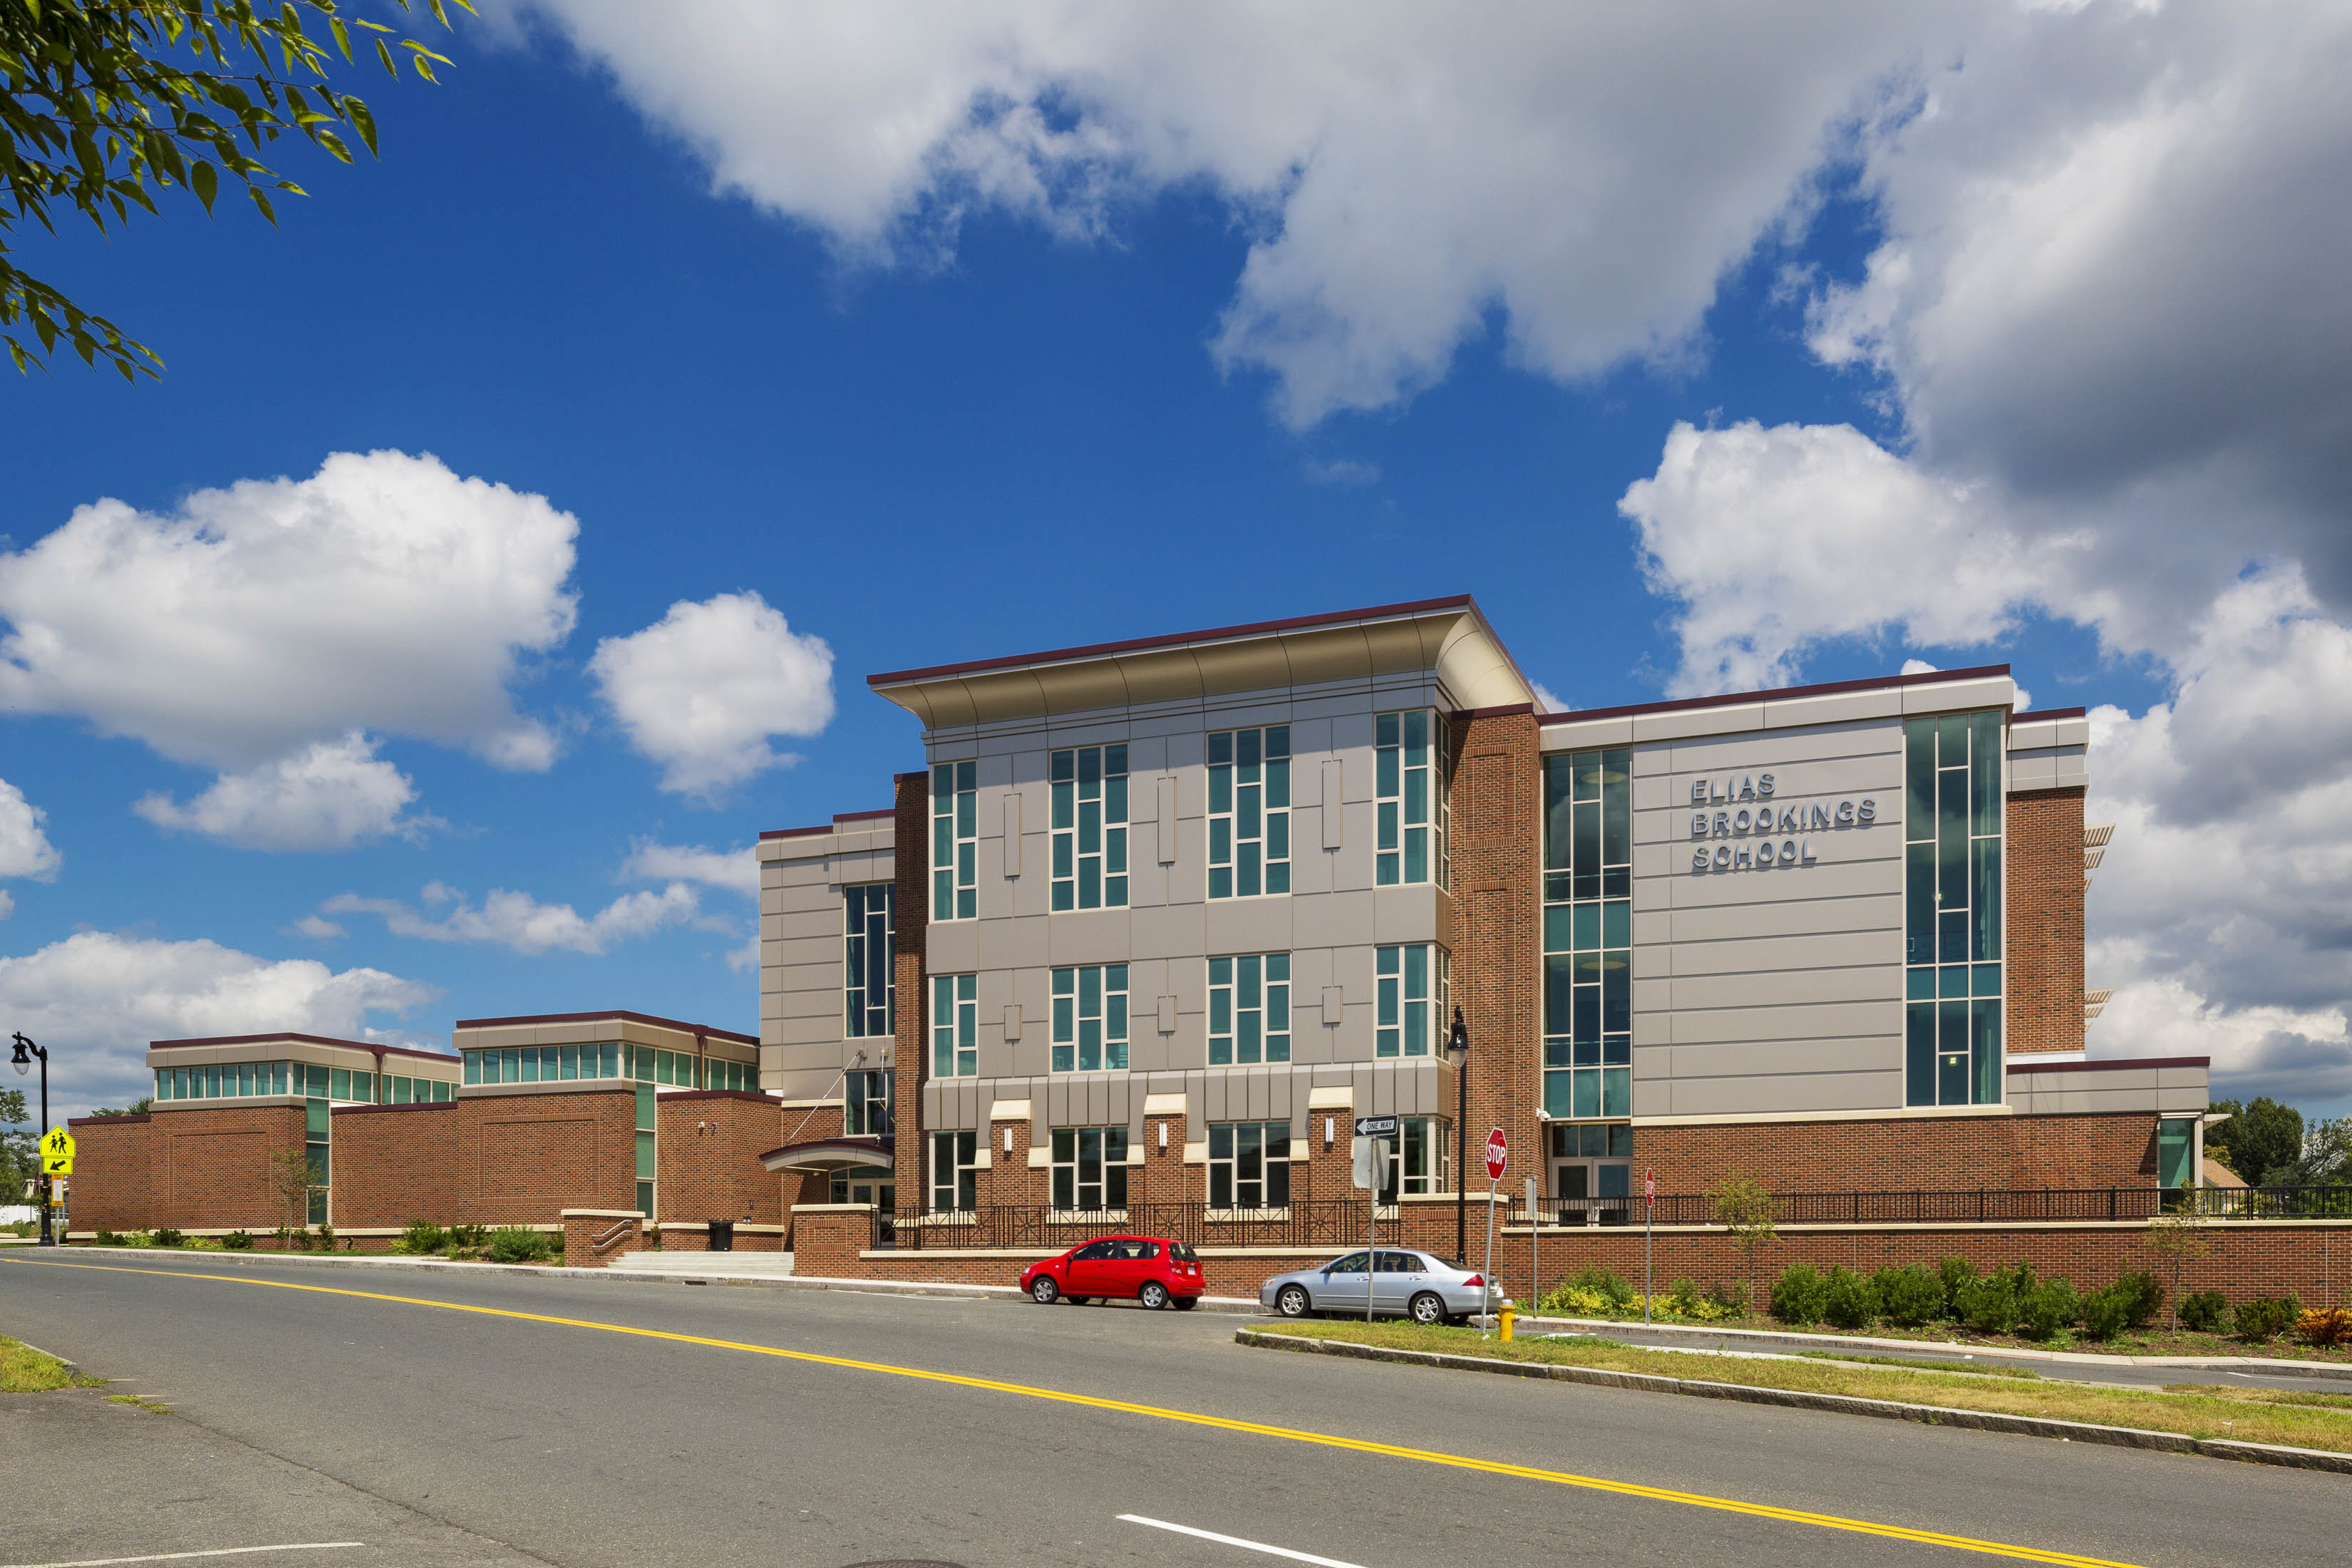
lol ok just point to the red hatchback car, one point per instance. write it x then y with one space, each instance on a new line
1151 1270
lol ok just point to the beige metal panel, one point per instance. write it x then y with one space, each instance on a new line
1814 758
1788 955
2028 773
1407 914
1775 1058
823 922
1793 917
2033 735
1585 734
1249 925
1848 867
1090 936
1833 708
1952 697
1019 942
1865 983
952 947
1676 723
1881 1018
1766 1095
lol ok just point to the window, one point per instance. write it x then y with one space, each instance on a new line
230 1078
955 1026
871 993
1249 812
553 1064
2176 1140
1411 992
1089 1168
1952 913
955 1174
1410 784
648 1154
1249 1009
1090 827
865 1105
955 842
1588 934
1090 1018
1427 1158
1249 1164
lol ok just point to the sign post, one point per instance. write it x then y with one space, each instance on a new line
1372 1133
1649 1232
1498 1154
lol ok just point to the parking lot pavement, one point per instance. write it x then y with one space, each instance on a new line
94 1478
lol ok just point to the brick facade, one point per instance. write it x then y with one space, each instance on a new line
211 1168
710 1142
1497 849
522 1158
108 1190
2045 920
910 915
396 1164
1904 1153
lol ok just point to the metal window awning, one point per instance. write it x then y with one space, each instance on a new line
831 1154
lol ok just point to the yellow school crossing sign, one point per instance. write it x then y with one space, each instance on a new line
57 1152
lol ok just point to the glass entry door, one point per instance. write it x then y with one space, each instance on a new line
867 1185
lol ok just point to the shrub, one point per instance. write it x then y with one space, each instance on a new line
2325 1326
2144 1294
1622 1295
109 1239
2047 1308
1910 1295
2201 1310
1801 1295
165 1235
468 1235
2265 1318
1952 1273
519 1244
1989 1305
239 1240
1730 1299
1576 1301
1687 1299
1849 1301
2106 1314
421 1237
326 1238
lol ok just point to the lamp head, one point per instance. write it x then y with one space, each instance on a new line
1457 1039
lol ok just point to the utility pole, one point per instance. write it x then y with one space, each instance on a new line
22 1062
1457 1046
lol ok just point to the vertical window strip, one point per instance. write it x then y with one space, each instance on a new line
1249 1009
1413 799
870 990
1953 1012
1090 785
1090 1018
1249 1165
1089 1169
955 1174
1411 986
1588 933
955 1026
955 841
1249 812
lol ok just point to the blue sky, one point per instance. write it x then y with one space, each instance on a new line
932 411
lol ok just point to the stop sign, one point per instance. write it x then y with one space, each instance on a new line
1497 1152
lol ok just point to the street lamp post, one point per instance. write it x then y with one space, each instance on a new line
1457 1048
22 1062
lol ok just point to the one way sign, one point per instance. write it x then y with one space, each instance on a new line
1376 1126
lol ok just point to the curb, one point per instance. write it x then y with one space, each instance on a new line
73 1368
1836 1404
1010 1293
1779 1339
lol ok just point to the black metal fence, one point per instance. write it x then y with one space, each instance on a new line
1331 1221
1991 1205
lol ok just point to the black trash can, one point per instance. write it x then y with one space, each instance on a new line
722 1236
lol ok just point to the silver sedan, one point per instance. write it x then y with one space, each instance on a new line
1406 1284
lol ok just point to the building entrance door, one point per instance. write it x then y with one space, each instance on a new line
1597 1191
868 1185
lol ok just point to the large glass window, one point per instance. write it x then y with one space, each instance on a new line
1090 1018
1952 908
1411 986
955 841
553 1064
955 1172
1425 1162
1090 1168
865 1105
1090 827
872 992
1249 1164
1249 1009
1249 812
1410 788
955 1026
1588 933
237 1080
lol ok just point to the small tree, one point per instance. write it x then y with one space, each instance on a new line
1743 1208
2179 1237
292 1174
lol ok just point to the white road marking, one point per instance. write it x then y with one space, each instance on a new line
1230 1540
177 1556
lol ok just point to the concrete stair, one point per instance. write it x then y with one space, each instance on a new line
760 1265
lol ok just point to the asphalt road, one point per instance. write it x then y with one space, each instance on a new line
514 1436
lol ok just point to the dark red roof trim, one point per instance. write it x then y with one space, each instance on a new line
600 1017
838 817
308 1039
1779 694
1178 639
105 1121
2049 713
2110 1063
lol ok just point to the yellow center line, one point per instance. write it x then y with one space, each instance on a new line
1194 1418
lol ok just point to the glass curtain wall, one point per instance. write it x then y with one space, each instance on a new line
1588 934
1952 908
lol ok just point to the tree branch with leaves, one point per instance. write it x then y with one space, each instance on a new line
105 103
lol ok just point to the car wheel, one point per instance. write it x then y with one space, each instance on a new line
1186 1303
1428 1310
1292 1301
1154 1295
1079 1300
1044 1291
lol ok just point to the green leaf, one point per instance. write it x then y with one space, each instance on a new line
333 143
263 203
205 182
385 54
363 120
342 35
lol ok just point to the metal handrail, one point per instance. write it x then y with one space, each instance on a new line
1979 1206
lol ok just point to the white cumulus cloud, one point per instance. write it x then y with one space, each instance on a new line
702 689
516 919
96 998
737 870
24 847
263 628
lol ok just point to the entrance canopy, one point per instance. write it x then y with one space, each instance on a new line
830 1154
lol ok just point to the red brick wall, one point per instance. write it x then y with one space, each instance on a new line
910 914
709 1145
211 1168
109 1189
2045 920
803 1124
394 1164
523 1157
1497 892
581 1231
1907 1154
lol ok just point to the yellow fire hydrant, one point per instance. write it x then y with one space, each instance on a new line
1510 1316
